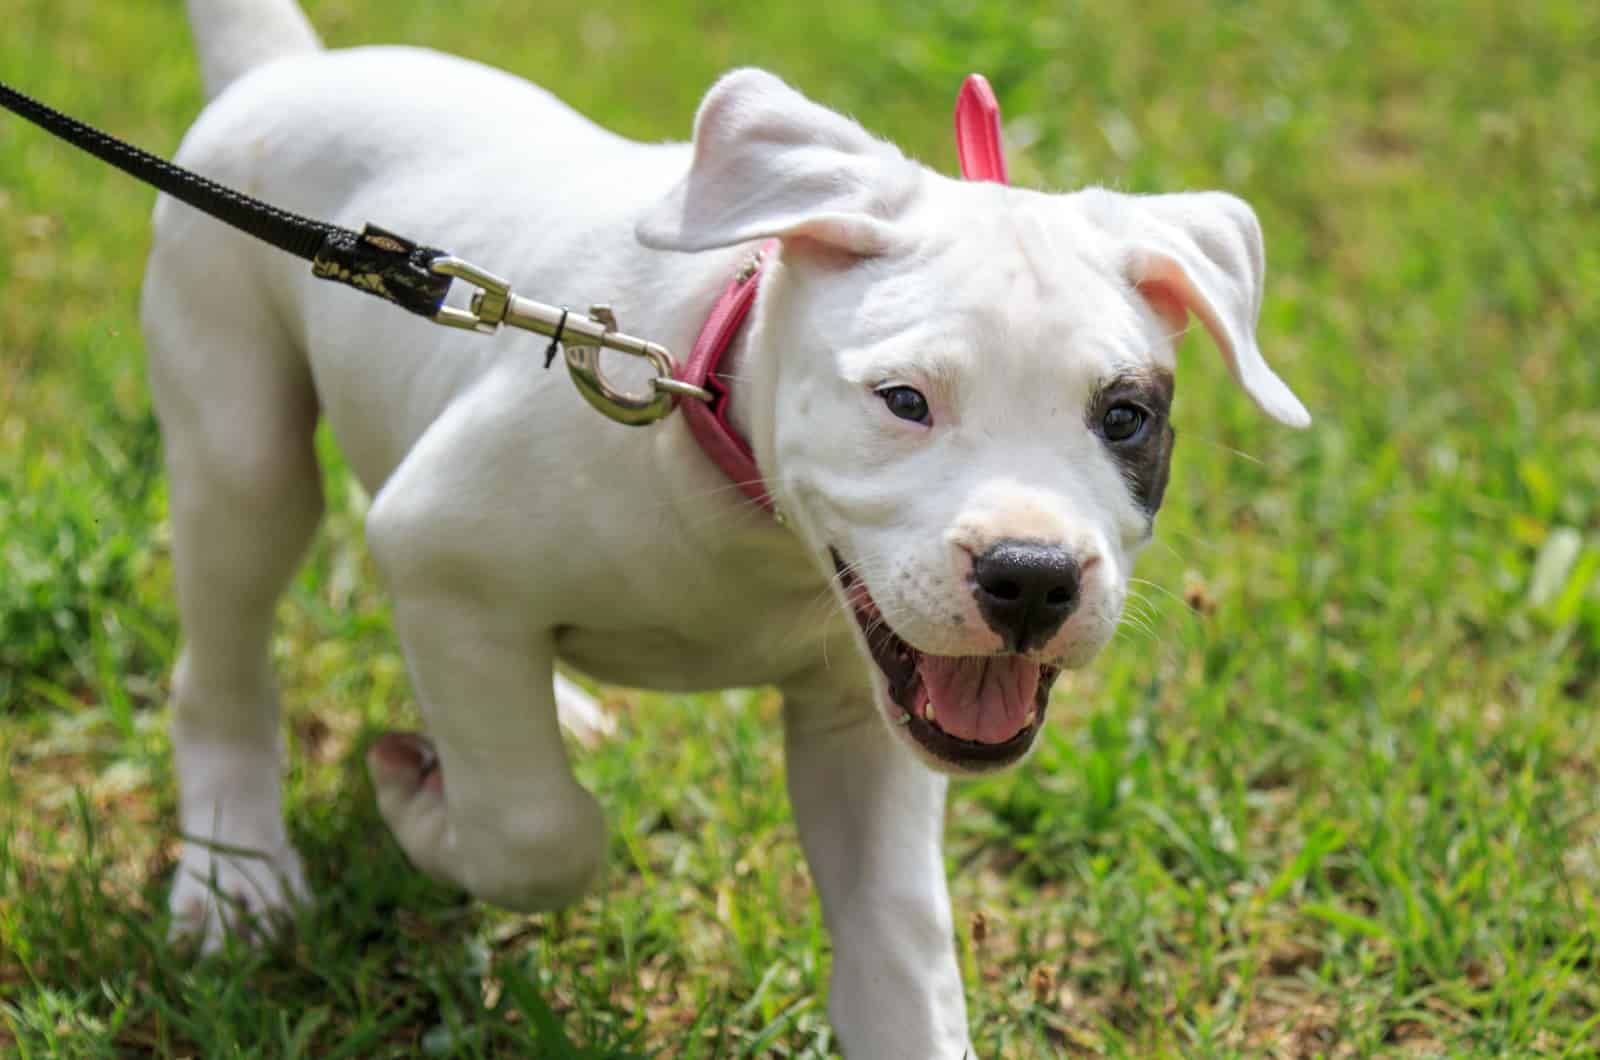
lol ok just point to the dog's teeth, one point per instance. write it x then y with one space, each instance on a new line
927 711
1032 716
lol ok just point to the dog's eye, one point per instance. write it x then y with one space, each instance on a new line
1122 422
905 402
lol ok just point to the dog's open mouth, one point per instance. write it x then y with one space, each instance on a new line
973 711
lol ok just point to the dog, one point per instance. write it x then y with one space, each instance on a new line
957 395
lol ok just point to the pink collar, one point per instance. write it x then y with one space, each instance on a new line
708 420
978 145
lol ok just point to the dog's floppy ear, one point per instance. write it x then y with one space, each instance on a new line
769 162
1202 253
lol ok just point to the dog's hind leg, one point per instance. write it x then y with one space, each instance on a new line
237 413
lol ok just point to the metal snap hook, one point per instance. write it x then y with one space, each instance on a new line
581 339
582 348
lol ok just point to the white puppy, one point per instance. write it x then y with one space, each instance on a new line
957 393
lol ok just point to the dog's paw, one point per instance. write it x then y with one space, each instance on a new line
409 784
403 765
528 848
225 889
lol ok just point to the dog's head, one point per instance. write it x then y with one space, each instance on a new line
960 394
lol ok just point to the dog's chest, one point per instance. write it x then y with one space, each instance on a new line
673 660
715 621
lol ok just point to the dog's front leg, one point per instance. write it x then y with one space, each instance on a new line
488 800
871 820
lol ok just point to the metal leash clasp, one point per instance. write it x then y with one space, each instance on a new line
581 338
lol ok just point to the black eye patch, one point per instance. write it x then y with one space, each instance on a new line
1129 413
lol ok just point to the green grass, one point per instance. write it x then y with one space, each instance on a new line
1342 805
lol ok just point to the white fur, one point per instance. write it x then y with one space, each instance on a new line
514 526
238 35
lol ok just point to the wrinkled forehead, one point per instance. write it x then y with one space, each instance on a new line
1009 280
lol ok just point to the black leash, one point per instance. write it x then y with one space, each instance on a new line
372 260
394 268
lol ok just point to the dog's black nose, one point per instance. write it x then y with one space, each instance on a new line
1025 591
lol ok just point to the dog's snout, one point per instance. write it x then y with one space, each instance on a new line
1025 591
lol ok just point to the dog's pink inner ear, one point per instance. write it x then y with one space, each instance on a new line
1173 294
828 249
1167 304
836 238
1176 283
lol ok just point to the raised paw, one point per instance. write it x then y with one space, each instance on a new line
404 763
409 783
524 852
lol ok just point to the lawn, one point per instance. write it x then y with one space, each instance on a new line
1332 791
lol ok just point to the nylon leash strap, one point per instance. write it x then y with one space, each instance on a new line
375 261
414 277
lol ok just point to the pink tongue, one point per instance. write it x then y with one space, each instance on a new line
986 700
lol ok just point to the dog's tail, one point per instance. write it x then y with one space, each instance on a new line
236 36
